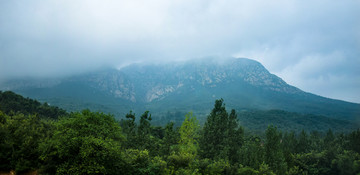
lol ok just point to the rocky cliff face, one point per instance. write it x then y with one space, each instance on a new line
158 81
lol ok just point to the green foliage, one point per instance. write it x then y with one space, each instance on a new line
218 167
274 156
171 138
264 169
84 143
221 138
5 143
20 139
139 162
180 160
189 133
347 162
235 137
144 131
304 143
312 163
247 171
315 142
213 140
252 152
354 141
129 129
295 170
289 147
185 152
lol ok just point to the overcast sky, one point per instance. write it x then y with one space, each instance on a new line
314 45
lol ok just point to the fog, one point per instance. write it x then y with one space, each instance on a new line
314 45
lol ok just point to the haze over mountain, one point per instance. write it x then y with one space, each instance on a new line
244 84
309 44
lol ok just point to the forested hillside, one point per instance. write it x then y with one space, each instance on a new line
256 121
11 103
95 143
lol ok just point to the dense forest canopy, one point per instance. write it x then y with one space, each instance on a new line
96 143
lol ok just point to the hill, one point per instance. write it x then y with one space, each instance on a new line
12 103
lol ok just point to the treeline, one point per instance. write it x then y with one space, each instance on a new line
95 143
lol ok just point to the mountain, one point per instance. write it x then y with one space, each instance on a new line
171 89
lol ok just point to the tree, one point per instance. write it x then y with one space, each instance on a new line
144 132
186 150
221 138
170 139
5 143
273 154
213 140
304 143
312 163
218 167
329 139
289 144
129 129
354 141
189 133
252 152
235 136
315 142
347 162
20 139
84 143
140 162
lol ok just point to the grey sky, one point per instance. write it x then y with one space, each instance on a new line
314 45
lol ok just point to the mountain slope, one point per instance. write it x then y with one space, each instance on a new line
194 85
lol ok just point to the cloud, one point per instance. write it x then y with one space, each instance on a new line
57 38
330 75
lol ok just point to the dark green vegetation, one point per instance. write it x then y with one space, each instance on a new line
177 88
95 143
